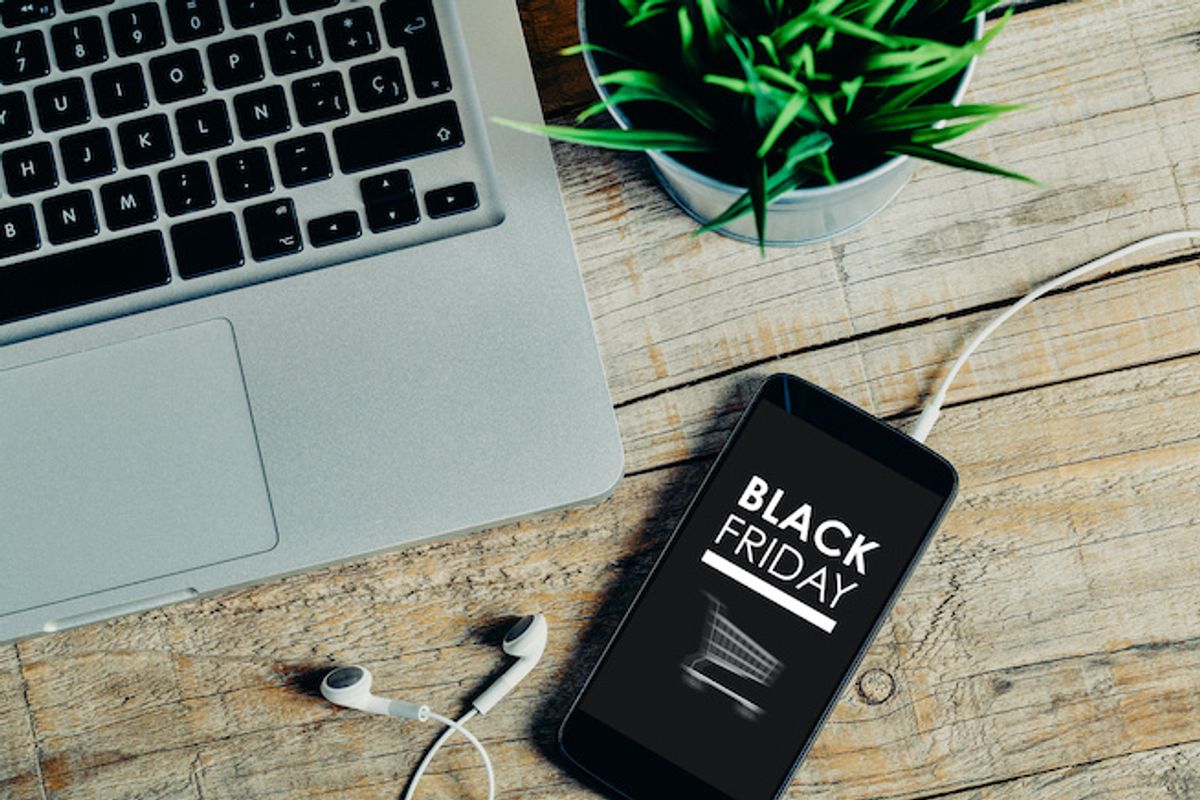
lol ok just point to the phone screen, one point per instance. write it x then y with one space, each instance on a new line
773 583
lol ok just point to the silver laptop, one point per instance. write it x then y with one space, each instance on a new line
273 294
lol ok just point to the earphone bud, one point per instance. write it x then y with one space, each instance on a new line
351 687
526 641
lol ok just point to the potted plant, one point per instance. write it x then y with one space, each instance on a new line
783 121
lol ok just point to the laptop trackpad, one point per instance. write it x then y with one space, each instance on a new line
125 463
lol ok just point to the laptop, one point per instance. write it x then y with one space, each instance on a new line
275 294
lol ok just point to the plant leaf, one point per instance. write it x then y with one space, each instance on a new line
925 116
852 29
786 117
949 132
714 26
954 160
645 85
615 139
979 7
758 197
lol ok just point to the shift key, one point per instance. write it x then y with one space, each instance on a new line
395 137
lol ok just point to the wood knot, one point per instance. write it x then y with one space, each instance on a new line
875 686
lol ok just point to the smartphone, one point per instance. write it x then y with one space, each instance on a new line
762 603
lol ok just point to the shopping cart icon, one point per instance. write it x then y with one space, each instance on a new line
730 661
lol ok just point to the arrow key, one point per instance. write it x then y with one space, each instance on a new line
272 229
390 200
334 228
392 214
451 200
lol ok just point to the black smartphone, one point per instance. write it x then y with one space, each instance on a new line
762 603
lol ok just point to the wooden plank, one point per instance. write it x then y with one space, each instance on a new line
19 776
1131 318
1053 622
671 309
1168 772
562 82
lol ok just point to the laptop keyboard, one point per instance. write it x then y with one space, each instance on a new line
158 151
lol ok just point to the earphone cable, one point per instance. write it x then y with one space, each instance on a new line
452 726
929 415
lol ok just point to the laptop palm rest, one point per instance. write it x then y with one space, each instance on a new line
125 463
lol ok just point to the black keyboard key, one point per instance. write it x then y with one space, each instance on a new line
388 186
61 104
405 134
320 98
15 122
302 160
272 229
194 19
177 76
87 155
71 278
74 6
129 202
120 90
23 57
262 112
186 188
306 6
334 228
244 13
384 216
451 200
79 43
204 126
29 169
244 174
23 12
293 48
351 34
137 29
207 245
390 200
145 141
70 217
235 62
410 24
18 234
378 84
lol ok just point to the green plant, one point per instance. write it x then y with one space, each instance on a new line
775 95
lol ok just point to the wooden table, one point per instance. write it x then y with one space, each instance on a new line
1048 645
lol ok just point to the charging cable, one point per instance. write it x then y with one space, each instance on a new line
933 408
451 727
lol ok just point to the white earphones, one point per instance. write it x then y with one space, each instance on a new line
351 687
526 641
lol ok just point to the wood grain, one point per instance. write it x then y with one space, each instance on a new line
1132 317
1048 645
20 778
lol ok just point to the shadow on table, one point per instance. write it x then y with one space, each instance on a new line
628 574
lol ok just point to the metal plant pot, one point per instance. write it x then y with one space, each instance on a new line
799 217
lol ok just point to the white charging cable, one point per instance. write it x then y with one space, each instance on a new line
452 726
933 408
